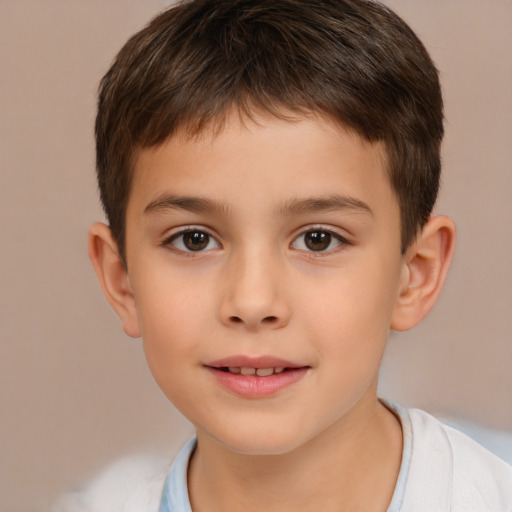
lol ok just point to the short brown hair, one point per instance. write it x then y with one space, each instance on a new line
353 60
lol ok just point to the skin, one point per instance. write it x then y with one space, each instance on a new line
258 289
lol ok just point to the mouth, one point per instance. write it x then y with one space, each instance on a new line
263 366
256 377
247 370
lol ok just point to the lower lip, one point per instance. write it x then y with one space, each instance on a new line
253 386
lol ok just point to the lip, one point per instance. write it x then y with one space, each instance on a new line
253 362
254 386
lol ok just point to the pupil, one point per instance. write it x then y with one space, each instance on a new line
195 240
317 240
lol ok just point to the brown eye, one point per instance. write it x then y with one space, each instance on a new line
192 240
196 240
317 240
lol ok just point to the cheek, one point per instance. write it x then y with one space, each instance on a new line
172 320
351 313
166 300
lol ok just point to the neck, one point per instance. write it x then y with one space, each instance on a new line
351 466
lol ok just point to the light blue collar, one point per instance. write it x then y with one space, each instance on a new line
175 495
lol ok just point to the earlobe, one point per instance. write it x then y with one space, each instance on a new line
426 264
113 276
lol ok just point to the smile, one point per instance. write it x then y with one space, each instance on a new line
260 372
256 377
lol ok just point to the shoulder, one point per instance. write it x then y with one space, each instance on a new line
130 484
448 466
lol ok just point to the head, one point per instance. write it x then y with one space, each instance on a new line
352 61
268 169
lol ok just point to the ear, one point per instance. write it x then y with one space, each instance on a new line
113 276
426 264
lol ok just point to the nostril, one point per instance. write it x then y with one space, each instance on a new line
266 320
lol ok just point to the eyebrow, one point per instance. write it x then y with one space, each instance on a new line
322 204
192 204
295 206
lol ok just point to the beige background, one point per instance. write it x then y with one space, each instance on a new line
74 391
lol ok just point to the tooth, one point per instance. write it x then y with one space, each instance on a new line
279 369
264 372
234 369
248 371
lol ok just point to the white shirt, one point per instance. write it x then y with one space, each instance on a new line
442 470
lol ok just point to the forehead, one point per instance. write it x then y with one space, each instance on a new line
264 160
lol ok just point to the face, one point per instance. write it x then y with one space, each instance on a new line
265 265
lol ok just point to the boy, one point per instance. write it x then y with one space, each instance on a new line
268 170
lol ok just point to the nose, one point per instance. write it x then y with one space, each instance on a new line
254 295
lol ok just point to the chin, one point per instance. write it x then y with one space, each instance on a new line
260 442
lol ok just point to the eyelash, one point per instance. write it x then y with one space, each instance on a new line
168 242
333 235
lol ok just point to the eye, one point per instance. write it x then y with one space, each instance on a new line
318 240
192 240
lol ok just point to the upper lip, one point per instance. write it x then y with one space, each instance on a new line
241 361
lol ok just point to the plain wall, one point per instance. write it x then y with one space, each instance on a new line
74 390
